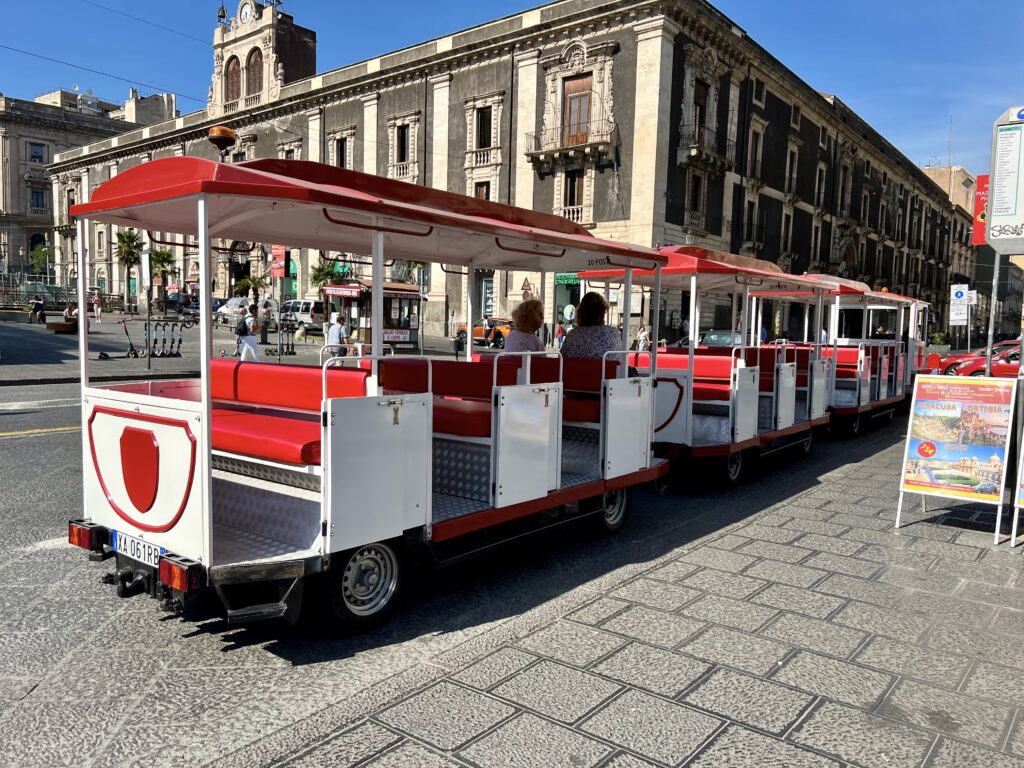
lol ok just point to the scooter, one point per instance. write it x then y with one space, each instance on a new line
132 352
175 351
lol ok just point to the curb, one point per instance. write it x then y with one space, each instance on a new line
104 378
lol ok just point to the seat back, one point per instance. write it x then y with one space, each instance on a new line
282 386
577 375
716 367
450 378
765 358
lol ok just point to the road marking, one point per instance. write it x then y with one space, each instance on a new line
37 404
23 432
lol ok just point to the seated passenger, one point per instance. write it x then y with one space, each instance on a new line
527 319
591 338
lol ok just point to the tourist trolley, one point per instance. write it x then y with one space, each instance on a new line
725 402
255 477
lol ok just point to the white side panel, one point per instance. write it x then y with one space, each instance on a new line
883 378
745 406
626 433
145 467
376 468
818 389
526 445
785 395
901 364
864 387
670 414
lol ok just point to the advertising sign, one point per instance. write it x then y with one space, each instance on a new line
394 334
1005 217
958 437
277 258
980 211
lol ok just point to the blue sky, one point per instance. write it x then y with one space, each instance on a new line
906 66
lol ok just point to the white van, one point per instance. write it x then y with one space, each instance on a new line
307 313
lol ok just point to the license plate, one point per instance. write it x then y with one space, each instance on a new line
136 549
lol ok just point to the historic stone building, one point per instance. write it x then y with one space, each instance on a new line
653 121
31 135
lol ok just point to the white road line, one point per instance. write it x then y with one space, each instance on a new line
39 404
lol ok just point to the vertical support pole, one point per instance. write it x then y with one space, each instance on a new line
470 286
807 324
655 321
999 524
992 313
899 510
1013 527
377 299
745 317
83 310
205 355
624 303
732 321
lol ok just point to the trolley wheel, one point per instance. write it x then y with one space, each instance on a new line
807 444
891 416
364 585
613 509
852 425
733 467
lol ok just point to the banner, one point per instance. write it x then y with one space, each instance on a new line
958 437
277 260
980 211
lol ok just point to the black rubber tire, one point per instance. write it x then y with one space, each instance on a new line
364 585
950 369
854 424
807 444
733 468
978 373
613 510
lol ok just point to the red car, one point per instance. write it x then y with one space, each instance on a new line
1006 364
949 363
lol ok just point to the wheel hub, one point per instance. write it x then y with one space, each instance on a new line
370 579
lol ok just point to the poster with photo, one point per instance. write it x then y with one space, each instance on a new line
959 437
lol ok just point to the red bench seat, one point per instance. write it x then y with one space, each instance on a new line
583 410
275 438
467 418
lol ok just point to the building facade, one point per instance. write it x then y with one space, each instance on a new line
658 122
32 133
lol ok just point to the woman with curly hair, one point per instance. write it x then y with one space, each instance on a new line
527 319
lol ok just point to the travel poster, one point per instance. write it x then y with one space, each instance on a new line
958 437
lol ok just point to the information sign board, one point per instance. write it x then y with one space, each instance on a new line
1005 216
957 314
958 293
958 437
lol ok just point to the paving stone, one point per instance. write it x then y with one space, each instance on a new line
745 699
728 541
770 533
73 730
750 653
956 754
925 581
996 682
953 714
657 594
722 583
494 668
656 627
887 539
859 521
899 558
1015 743
655 728
794 575
782 552
770 518
349 748
623 760
446 715
738 747
718 559
572 643
933 531
411 755
674 570
989 574
828 543
945 669
858 737
850 566
659 671
818 635
949 608
1009 622
972 642
948 551
798 600
731 613
884 595
555 690
597 611
528 741
834 679
1004 597
817 527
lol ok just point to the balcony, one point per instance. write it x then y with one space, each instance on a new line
407 171
593 140
37 211
755 176
792 194
479 158
573 213
231 106
705 149
753 237
695 220
845 218
253 101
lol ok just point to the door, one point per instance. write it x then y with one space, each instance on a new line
700 113
576 93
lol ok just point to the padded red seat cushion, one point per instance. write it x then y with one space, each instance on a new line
282 386
711 390
276 438
468 418
581 409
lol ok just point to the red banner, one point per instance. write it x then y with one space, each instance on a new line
980 211
277 258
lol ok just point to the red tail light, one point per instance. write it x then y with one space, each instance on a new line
180 574
85 535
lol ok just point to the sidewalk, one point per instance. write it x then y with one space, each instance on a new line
743 633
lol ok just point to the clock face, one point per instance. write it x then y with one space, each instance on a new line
245 13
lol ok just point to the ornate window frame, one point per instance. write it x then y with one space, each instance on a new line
293 144
585 215
578 58
484 164
705 62
410 170
348 133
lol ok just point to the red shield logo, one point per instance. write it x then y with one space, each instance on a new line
140 466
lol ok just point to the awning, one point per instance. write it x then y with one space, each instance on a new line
358 287
311 205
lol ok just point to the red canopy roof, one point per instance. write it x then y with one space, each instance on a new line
316 206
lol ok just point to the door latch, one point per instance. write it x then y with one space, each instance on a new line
395 405
547 394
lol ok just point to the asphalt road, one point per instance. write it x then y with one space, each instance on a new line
88 679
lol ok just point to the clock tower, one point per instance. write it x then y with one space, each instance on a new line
255 53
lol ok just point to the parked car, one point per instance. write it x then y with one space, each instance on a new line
306 313
232 310
1006 364
176 302
721 339
500 328
949 363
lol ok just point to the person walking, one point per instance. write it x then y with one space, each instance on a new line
337 335
97 305
247 329
643 339
36 310
559 335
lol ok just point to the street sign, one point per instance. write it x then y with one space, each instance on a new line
958 314
958 293
1005 218
972 298
526 287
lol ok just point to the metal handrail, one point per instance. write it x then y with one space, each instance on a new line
527 356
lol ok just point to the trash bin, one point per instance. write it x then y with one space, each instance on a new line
458 346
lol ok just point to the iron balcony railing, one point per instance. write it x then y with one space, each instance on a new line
567 136
703 138
694 219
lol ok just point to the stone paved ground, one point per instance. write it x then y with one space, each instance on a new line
807 634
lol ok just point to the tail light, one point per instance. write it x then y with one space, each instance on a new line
180 573
86 535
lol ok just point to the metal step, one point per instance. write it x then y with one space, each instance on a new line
258 612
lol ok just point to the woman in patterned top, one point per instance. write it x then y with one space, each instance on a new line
591 338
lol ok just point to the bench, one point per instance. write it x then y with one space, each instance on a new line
712 372
59 326
273 410
847 361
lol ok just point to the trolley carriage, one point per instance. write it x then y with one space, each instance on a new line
255 477
723 403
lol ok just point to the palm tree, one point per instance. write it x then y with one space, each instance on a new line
161 261
254 284
324 273
129 255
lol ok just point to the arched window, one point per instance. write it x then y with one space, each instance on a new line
254 73
232 80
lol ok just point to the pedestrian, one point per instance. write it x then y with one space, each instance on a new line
247 329
337 336
488 330
559 335
37 310
643 339
97 305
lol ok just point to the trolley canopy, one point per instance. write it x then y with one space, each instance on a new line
841 286
717 272
310 205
